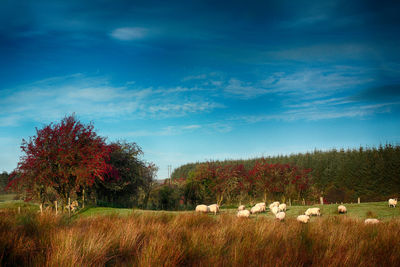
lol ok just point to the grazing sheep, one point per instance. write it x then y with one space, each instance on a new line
392 202
256 209
202 208
371 221
280 216
282 207
313 211
241 207
275 210
214 208
243 214
303 218
342 209
274 204
262 205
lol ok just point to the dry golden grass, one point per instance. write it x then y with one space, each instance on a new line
162 239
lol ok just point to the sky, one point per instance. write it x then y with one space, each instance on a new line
203 80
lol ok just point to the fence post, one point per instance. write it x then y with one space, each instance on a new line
321 200
290 202
304 202
19 210
83 199
41 208
69 207
358 201
55 204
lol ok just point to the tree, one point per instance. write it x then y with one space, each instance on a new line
149 175
125 175
3 181
66 157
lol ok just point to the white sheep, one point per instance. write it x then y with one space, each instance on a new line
243 214
280 216
241 207
275 210
392 202
202 208
303 218
282 207
342 209
256 209
214 208
262 205
371 221
274 204
313 211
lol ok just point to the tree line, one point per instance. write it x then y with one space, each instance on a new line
338 175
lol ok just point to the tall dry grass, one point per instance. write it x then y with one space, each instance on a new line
164 239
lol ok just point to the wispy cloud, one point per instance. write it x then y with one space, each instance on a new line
129 33
93 98
239 88
314 83
323 112
171 130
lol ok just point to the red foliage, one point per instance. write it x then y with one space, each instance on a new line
273 178
64 156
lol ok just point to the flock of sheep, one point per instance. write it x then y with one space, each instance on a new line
279 211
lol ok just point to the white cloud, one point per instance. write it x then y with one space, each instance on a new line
94 98
323 112
316 83
241 89
129 33
172 130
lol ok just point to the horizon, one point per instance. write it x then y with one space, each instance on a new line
196 81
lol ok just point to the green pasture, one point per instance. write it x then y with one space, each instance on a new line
378 210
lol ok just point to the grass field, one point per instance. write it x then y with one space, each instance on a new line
123 237
378 210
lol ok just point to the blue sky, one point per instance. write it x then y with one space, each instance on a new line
198 80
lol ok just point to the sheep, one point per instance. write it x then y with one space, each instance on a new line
274 204
241 207
243 214
313 211
280 216
342 209
282 207
214 208
303 218
371 221
392 202
202 208
256 209
275 210
262 205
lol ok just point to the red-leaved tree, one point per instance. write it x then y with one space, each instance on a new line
65 157
283 179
